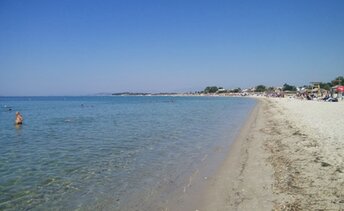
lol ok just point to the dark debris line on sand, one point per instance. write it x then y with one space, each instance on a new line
304 180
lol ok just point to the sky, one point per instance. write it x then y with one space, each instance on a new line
81 47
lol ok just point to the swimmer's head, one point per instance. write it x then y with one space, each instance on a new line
17 113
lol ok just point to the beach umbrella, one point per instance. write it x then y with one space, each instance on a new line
340 88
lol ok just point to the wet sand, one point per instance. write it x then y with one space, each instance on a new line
288 156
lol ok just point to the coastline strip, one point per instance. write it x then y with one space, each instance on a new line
244 181
288 156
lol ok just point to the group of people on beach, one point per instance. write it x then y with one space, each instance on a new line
312 96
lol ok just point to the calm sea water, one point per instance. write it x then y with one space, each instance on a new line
112 153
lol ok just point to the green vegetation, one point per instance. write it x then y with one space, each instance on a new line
260 88
211 89
287 87
270 89
237 90
326 86
338 81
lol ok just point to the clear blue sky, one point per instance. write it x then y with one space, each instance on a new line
77 47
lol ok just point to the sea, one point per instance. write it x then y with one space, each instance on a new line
114 152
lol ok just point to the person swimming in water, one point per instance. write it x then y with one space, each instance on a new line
19 118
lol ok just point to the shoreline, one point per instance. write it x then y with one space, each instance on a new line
288 156
197 183
235 186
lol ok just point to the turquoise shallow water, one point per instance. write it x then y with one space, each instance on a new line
115 153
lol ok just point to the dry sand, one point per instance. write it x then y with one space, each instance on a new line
289 156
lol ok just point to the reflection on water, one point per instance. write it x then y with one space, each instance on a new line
18 127
109 152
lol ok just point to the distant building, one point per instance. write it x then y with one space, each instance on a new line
221 90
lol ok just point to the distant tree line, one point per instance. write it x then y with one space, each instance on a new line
286 87
215 89
211 89
260 88
337 81
327 85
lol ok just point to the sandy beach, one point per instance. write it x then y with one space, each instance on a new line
288 156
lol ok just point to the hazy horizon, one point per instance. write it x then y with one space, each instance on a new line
72 48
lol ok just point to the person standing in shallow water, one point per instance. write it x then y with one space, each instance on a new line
19 118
